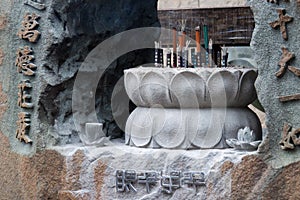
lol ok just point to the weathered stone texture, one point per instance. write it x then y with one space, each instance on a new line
1 56
38 177
246 175
267 44
3 22
286 184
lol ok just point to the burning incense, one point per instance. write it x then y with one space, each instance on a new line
224 56
210 52
198 47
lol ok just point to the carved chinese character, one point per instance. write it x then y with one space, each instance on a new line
29 25
37 4
23 127
193 178
24 97
283 63
170 182
281 22
276 1
125 180
148 178
294 97
24 61
294 70
290 137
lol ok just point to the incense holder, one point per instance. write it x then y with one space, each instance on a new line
189 107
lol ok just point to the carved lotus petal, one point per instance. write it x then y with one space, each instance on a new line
203 130
171 134
223 88
154 90
132 83
246 135
141 130
189 89
247 92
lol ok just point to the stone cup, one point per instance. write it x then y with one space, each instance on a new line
93 133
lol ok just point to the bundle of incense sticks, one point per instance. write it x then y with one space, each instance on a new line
186 54
210 53
224 56
169 58
158 60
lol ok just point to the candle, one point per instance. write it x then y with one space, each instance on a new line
198 39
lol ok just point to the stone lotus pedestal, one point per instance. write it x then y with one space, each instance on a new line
188 108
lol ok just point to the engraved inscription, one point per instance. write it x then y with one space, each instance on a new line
23 127
24 97
126 180
29 24
276 1
290 137
37 4
288 98
24 61
281 22
283 63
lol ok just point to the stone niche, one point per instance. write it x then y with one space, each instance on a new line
66 33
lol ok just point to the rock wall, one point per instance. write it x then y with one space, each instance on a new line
274 79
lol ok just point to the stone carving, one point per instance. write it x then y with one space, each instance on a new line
125 180
148 178
294 70
94 135
244 141
24 61
283 63
185 108
288 98
29 24
290 137
37 4
24 97
276 1
23 127
281 22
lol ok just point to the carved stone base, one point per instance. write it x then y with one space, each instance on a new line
188 128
